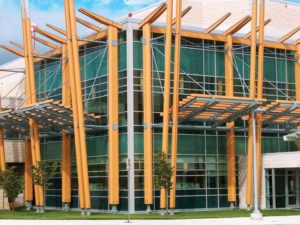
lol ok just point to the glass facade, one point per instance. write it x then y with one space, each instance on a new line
201 169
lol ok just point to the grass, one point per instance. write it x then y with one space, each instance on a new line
75 215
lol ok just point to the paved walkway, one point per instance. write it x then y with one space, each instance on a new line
286 220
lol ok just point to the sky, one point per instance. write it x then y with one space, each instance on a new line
52 11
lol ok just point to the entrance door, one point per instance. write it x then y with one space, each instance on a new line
293 189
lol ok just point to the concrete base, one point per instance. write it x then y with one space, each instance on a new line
82 212
42 209
66 206
232 205
256 216
162 212
88 212
28 205
148 210
114 209
171 212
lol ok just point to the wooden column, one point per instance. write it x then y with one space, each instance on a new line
175 102
168 55
77 106
260 78
297 80
230 135
66 138
28 189
147 77
31 95
249 194
113 117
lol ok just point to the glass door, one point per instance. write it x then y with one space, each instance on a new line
293 189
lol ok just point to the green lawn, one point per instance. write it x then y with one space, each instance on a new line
75 215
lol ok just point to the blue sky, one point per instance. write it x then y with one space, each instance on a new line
51 11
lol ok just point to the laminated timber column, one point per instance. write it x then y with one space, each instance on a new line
31 95
28 190
147 76
66 138
77 107
168 54
113 117
249 194
260 95
175 103
230 135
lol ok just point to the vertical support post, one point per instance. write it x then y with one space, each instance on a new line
297 80
28 192
130 115
168 55
230 135
260 77
31 94
147 76
175 102
2 149
252 96
77 107
66 138
113 119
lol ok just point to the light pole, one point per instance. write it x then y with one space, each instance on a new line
256 214
128 188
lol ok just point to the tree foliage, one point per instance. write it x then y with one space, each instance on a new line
12 184
43 172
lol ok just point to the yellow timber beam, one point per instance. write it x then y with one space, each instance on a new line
88 24
22 47
251 96
14 51
154 15
147 76
51 36
168 55
217 23
77 106
100 19
57 29
260 78
237 26
177 61
44 42
230 135
258 28
28 191
31 95
66 138
182 14
113 119
288 35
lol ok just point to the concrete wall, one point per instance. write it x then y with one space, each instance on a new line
14 151
269 161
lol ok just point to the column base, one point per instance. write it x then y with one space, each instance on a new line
171 212
248 208
28 205
148 210
162 212
66 206
42 209
114 209
256 216
82 212
232 206
87 212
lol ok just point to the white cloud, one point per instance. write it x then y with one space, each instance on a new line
139 2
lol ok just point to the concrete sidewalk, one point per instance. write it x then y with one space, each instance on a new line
280 220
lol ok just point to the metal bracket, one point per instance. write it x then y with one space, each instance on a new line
115 126
114 43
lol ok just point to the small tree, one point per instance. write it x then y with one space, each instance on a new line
12 184
163 172
42 173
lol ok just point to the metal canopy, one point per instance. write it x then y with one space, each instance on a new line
284 113
51 115
216 110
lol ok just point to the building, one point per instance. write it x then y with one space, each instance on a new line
122 71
